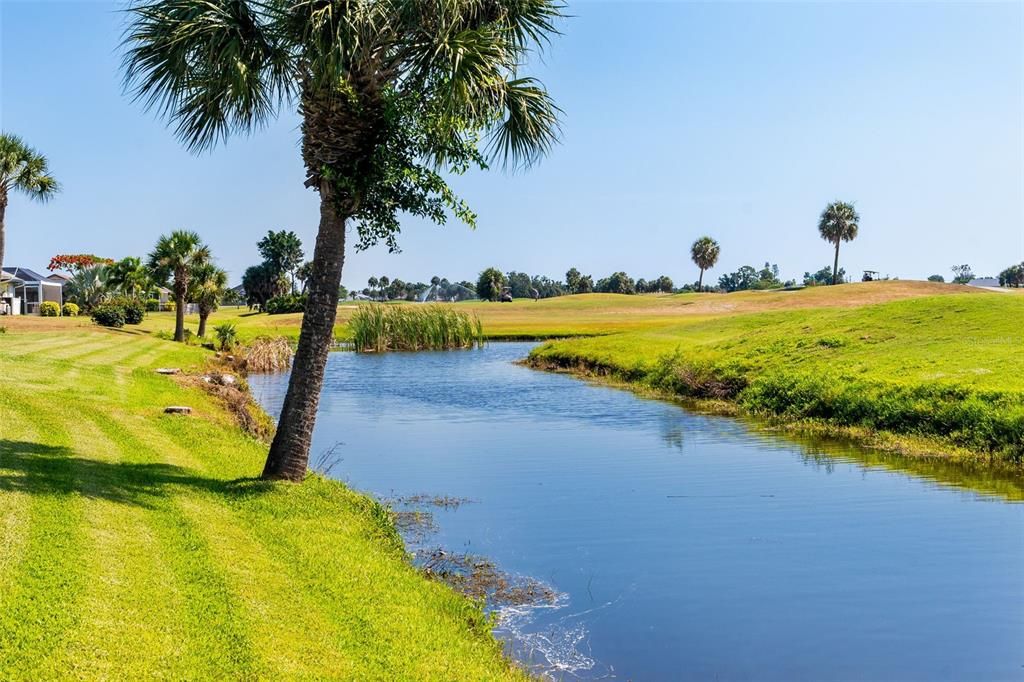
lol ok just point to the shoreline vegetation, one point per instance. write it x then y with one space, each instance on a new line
930 377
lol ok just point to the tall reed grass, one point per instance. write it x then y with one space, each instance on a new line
268 354
378 328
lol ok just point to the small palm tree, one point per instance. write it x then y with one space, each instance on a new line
391 95
130 276
704 253
174 258
838 223
22 169
207 284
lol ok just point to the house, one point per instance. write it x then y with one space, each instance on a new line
9 303
31 289
165 296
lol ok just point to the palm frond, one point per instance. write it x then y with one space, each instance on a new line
212 67
530 126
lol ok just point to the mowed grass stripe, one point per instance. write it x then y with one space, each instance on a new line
129 586
220 635
42 601
15 501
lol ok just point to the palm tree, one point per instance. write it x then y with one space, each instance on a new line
25 170
384 282
88 287
207 284
839 222
704 253
372 283
391 94
175 257
130 276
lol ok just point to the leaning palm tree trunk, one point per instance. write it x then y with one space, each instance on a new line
289 453
700 281
179 315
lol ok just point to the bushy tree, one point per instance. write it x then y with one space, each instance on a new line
22 170
261 283
936 278
88 287
489 284
282 251
1012 276
741 280
704 252
823 276
391 95
520 284
839 222
616 283
962 274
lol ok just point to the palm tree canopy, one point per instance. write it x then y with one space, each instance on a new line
705 252
129 275
24 169
391 92
839 221
175 254
207 284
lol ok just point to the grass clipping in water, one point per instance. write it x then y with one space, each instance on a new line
379 328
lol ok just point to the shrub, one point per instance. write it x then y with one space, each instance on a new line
49 309
134 311
289 303
171 305
227 335
70 310
152 305
108 315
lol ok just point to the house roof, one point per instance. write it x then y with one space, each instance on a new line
26 275
59 277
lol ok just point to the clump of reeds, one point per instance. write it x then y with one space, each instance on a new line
267 354
378 328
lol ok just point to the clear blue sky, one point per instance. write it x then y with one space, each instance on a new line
736 120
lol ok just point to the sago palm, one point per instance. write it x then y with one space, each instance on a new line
206 289
391 93
838 223
24 170
704 253
172 260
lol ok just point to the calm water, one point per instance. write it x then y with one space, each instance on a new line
684 546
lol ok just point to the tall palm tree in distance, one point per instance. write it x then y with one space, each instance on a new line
207 285
22 169
391 94
838 223
174 258
704 253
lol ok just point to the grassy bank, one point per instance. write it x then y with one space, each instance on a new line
946 372
135 544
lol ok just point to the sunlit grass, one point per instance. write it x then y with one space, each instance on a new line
139 545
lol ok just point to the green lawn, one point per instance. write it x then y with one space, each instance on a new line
949 367
135 544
